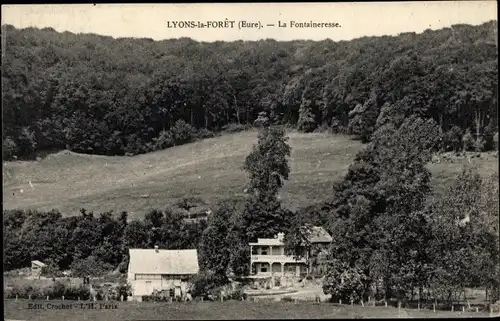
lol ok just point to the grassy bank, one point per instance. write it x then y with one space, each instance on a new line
230 310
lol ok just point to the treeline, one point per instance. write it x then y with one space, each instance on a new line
392 238
91 244
95 94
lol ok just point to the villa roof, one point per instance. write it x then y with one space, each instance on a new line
317 235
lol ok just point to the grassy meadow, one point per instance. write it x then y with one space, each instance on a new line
210 169
229 310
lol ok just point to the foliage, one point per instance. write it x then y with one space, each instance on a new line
90 245
182 132
95 94
164 140
267 167
206 283
89 266
9 148
468 141
215 245
306 122
344 282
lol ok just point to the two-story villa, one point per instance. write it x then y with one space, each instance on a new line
268 256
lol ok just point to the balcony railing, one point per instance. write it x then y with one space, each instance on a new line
276 258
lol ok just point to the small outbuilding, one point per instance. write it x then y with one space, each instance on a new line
36 268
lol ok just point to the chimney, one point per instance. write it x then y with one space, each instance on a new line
281 236
156 249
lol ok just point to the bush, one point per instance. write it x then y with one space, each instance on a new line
205 284
479 144
344 282
235 128
164 140
73 293
452 138
237 294
182 132
203 133
468 141
9 148
262 120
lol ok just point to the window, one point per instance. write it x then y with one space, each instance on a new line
263 268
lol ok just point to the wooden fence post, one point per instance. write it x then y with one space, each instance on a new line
386 304
477 310
16 297
29 297
463 309
418 306
47 298
434 307
63 297
340 302
362 304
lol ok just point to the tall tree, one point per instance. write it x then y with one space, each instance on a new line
267 167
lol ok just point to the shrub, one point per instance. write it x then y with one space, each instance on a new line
287 299
479 144
344 282
73 293
237 294
182 132
205 284
235 128
262 120
468 140
125 289
203 133
164 140
9 148
452 138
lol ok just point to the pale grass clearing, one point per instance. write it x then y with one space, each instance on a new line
211 169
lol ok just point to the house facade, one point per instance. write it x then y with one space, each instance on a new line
268 257
152 270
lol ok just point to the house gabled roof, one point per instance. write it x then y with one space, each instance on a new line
151 261
39 263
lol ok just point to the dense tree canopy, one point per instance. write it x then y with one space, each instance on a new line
96 94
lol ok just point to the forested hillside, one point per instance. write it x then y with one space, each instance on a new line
100 95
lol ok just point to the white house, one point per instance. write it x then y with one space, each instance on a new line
268 257
155 269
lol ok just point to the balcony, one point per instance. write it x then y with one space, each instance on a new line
276 259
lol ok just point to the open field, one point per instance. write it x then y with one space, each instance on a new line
230 310
210 169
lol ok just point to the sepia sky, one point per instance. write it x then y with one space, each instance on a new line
150 20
